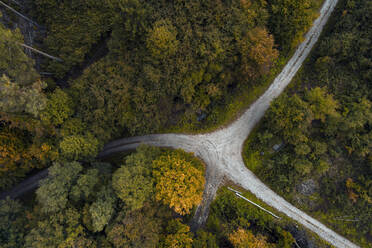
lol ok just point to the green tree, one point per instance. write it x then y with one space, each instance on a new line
73 207
133 185
102 209
77 147
61 229
85 184
73 29
358 114
14 63
302 149
133 182
139 228
290 117
59 108
288 21
178 235
303 166
53 192
204 239
21 100
73 126
178 57
162 39
321 103
103 99
143 156
12 223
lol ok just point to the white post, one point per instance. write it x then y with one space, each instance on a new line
239 195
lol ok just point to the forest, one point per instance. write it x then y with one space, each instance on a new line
133 67
142 201
314 145
165 64
133 201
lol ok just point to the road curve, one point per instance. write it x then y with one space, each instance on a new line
221 150
31 183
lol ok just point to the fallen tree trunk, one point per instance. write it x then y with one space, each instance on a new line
40 52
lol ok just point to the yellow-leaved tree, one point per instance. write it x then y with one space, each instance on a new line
242 238
179 180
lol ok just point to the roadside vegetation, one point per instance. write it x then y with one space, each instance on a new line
134 203
236 223
181 66
314 144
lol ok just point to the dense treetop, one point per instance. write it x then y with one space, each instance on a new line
323 128
95 205
183 53
164 63
134 67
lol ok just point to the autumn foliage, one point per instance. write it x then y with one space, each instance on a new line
258 53
242 238
179 181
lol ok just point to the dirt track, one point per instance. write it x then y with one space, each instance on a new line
221 150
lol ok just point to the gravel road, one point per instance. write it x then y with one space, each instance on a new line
221 150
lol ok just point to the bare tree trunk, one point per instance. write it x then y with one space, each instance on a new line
40 52
19 14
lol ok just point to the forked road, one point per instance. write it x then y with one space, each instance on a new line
221 150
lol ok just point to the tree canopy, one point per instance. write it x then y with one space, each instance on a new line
12 223
323 128
179 181
14 63
129 67
140 66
